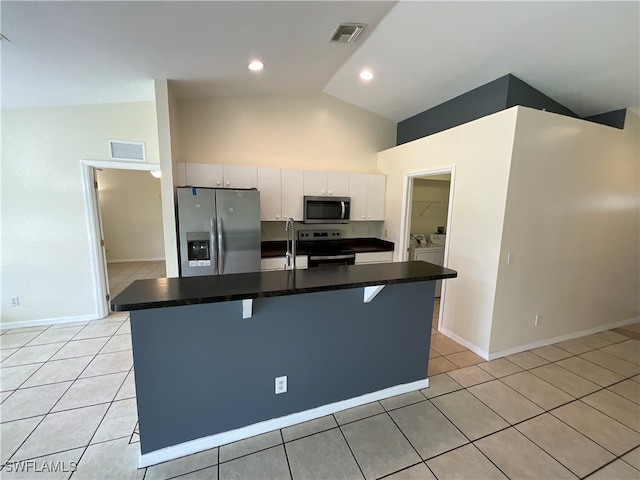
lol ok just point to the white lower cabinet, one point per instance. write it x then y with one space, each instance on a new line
277 263
373 257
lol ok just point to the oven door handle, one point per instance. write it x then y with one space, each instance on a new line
331 257
343 211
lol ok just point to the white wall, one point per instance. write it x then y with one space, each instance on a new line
45 244
430 205
481 153
305 131
572 225
131 211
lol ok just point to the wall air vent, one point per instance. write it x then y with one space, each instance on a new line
131 151
347 32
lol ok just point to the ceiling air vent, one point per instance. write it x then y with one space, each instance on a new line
121 150
347 32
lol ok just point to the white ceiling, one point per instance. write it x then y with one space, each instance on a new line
585 55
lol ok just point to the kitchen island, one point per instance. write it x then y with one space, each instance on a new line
207 350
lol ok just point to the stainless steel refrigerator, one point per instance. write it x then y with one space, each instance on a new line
218 231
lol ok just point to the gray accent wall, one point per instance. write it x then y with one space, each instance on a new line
500 94
614 118
202 369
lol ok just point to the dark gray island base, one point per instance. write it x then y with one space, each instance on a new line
207 350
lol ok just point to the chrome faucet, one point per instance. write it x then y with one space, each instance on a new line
290 255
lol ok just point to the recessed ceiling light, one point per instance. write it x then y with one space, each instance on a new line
366 75
156 173
256 65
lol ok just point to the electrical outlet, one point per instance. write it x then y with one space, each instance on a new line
537 320
509 259
15 301
386 232
281 385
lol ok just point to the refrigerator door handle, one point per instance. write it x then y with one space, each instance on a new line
213 249
220 248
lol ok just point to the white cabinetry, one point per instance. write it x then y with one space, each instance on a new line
373 257
292 193
321 184
367 196
240 177
277 263
217 176
181 174
203 175
270 187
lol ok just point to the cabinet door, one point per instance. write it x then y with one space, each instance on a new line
203 175
358 194
181 174
375 197
292 193
315 183
337 184
240 177
270 187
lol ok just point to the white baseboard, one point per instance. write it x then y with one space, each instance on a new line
212 441
49 321
562 338
131 260
475 349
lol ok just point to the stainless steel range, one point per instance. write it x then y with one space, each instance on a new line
325 248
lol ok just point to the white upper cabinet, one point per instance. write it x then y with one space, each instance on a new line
358 193
219 176
239 176
315 183
375 197
203 175
337 184
181 174
367 196
282 190
292 193
321 184
270 187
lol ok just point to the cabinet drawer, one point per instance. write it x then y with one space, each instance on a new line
373 257
277 263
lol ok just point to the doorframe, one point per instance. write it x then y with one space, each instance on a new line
405 227
97 257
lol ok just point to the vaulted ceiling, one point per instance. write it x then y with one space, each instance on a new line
585 55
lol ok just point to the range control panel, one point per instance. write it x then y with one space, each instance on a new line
318 235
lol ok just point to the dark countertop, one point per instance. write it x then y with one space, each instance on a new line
277 248
172 292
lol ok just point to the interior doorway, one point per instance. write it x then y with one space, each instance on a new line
131 221
425 227
98 250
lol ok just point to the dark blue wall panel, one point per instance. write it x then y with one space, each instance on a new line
521 93
500 94
479 102
202 369
612 119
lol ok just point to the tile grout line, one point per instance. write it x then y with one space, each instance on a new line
348 445
286 455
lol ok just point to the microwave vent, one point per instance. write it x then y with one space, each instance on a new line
347 32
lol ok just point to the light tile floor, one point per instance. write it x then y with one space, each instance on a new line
564 411
121 275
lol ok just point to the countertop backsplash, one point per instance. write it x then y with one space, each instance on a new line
275 230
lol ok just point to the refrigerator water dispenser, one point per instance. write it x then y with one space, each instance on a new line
199 249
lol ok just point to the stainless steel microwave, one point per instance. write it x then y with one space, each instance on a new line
326 209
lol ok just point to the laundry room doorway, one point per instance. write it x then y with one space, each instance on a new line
428 197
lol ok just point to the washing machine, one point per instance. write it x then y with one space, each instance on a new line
431 251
